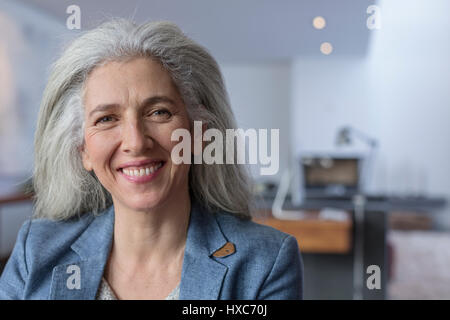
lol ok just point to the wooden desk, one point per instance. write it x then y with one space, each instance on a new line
313 234
15 198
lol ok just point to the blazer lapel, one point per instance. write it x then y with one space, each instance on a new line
202 276
80 279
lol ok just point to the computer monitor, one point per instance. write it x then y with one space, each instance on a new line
329 175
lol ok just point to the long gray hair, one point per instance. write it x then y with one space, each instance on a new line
63 188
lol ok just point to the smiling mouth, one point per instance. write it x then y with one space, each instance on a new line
142 171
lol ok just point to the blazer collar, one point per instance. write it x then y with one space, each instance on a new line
93 247
97 238
201 277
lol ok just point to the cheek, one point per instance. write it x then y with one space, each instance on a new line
163 134
99 148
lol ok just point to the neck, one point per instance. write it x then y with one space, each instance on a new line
157 236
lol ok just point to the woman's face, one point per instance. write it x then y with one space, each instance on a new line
131 110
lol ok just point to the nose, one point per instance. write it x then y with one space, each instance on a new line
135 140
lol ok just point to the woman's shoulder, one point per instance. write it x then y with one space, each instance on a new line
39 227
266 264
42 236
247 232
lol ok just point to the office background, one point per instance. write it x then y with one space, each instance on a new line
390 82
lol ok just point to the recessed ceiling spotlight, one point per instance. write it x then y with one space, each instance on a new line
326 48
319 22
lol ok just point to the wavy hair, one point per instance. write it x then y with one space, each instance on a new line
63 188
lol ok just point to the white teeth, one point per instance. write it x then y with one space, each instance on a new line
142 172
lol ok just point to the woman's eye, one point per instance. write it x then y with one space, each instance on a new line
162 113
104 119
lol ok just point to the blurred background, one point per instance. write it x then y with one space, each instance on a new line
359 90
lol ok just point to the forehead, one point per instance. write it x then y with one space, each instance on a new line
119 81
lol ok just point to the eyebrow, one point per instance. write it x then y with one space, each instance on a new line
147 102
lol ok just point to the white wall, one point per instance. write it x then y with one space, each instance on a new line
410 69
260 99
29 40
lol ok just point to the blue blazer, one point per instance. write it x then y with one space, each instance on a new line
225 258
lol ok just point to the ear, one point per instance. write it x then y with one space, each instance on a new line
87 164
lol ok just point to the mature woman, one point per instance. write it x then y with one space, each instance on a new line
115 216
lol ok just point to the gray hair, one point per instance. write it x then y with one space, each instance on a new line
63 188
